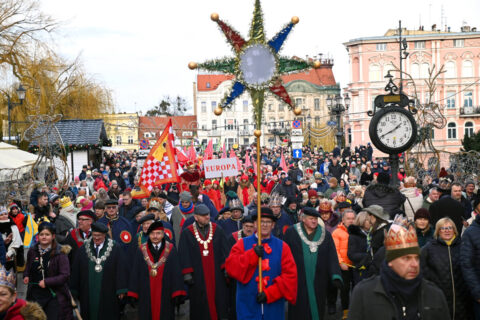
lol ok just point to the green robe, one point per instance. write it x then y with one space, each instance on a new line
310 259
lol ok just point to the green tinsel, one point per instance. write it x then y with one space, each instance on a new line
286 65
257 33
226 65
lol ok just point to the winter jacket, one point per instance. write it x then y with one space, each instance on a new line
336 171
332 222
441 264
388 198
130 211
23 310
447 207
470 257
413 201
378 236
370 302
288 191
424 236
340 237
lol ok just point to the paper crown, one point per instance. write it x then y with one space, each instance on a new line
276 200
65 202
235 204
325 206
154 203
7 279
401 235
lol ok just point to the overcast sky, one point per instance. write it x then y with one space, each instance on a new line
140 49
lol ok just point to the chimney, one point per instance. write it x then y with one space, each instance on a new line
434 26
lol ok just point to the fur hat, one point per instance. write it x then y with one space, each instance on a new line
401 239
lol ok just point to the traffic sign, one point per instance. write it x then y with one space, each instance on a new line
297 132
297 145
296 124
332 123
297 153
296 138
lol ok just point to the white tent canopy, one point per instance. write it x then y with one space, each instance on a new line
14 162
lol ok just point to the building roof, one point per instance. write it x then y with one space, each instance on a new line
412 36
73 132
322 76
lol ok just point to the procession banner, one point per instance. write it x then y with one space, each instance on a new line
226 167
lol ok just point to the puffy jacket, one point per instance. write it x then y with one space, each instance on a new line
357 252
340 237
371 302
440 264
470 257
413 201
388 198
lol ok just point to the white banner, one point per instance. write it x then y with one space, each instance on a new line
216 167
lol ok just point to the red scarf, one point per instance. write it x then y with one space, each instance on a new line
245 196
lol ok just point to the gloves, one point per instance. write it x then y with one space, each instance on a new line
179 300
337 284
259 251
188 279
262 297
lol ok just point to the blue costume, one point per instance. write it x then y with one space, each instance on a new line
229 226
121 230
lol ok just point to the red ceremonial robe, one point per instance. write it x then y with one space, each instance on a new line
155 293
208 295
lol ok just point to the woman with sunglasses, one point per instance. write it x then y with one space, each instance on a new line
46 274
440 263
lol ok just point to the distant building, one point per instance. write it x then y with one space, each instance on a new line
457 93
308 90
122 129
185 128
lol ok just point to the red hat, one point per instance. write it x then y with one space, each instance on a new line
250 170
309 170
244 177
312 193
207 182
216 182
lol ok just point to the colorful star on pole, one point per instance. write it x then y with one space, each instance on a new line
257 66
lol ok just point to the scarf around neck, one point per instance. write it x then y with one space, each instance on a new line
186 210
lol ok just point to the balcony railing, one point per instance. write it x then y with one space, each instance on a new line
473 111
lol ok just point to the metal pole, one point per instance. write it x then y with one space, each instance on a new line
339 128
394 165
400 48
259 216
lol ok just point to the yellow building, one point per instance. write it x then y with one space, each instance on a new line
122 129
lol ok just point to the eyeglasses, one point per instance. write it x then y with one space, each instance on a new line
82 219
111 207
266 223
449 228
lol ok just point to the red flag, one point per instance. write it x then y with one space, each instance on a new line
224 151
233 155
254 166
192 155
248 163
182 158
161 165
208 153
283 164
185 150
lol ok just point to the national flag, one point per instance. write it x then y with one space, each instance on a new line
161 165
208 153
224 151
31 230
283 164
192 155
248 163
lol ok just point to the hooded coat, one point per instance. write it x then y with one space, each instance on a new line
470 257
23 310
388 198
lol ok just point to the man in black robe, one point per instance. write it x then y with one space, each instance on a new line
156 279
203 249
317 264
76 237
99 276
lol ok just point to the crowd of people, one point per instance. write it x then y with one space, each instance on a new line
332 226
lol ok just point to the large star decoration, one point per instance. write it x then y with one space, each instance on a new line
257 65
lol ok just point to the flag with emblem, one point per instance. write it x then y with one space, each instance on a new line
161 165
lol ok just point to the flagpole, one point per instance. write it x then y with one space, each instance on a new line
259 216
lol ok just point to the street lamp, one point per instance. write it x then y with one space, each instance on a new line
309 122
21 96
336 108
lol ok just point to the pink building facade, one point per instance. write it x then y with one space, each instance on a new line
457 90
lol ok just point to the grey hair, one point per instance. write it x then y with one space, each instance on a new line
360 219
344 213
432 189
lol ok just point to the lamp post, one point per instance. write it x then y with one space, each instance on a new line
336 108
309 125
21 96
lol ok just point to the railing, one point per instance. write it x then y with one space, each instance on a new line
470 111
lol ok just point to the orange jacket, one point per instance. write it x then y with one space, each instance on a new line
340 237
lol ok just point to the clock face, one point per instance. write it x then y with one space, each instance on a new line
258 65
394 129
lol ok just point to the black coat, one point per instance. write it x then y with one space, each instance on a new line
327 266
390 199
336 171
288 191
130 211
439 263
370 302
470 257
378 237
357 252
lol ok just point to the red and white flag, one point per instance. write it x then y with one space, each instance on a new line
208 153
283 164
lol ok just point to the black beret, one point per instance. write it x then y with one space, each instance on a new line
265 212
99 227
146 217
201 210
157 224
111 201
223 210
309 211
87 213
247 219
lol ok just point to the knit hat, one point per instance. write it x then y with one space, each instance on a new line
422 213
185 196
312 193
207 182
401 239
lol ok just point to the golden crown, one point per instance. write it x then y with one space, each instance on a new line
154 203
325 206
401 234
65 202
276 200
7 279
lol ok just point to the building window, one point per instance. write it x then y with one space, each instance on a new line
204 127
415 71
270 107
245 105
229 124
452 131
432 133
419 44
214 124
458 43
281 123
316 104
424 70
450 69
467 69
468 129
130 139
245 141
450 99
208 85
468 99
245 124
317 121
281 107
119 140
381 46
375 73
204 107
214 105
298 101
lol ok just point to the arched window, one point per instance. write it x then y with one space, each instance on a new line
388 67
469 129
467 68
450 69
374 73
424 70
452 131
415 72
